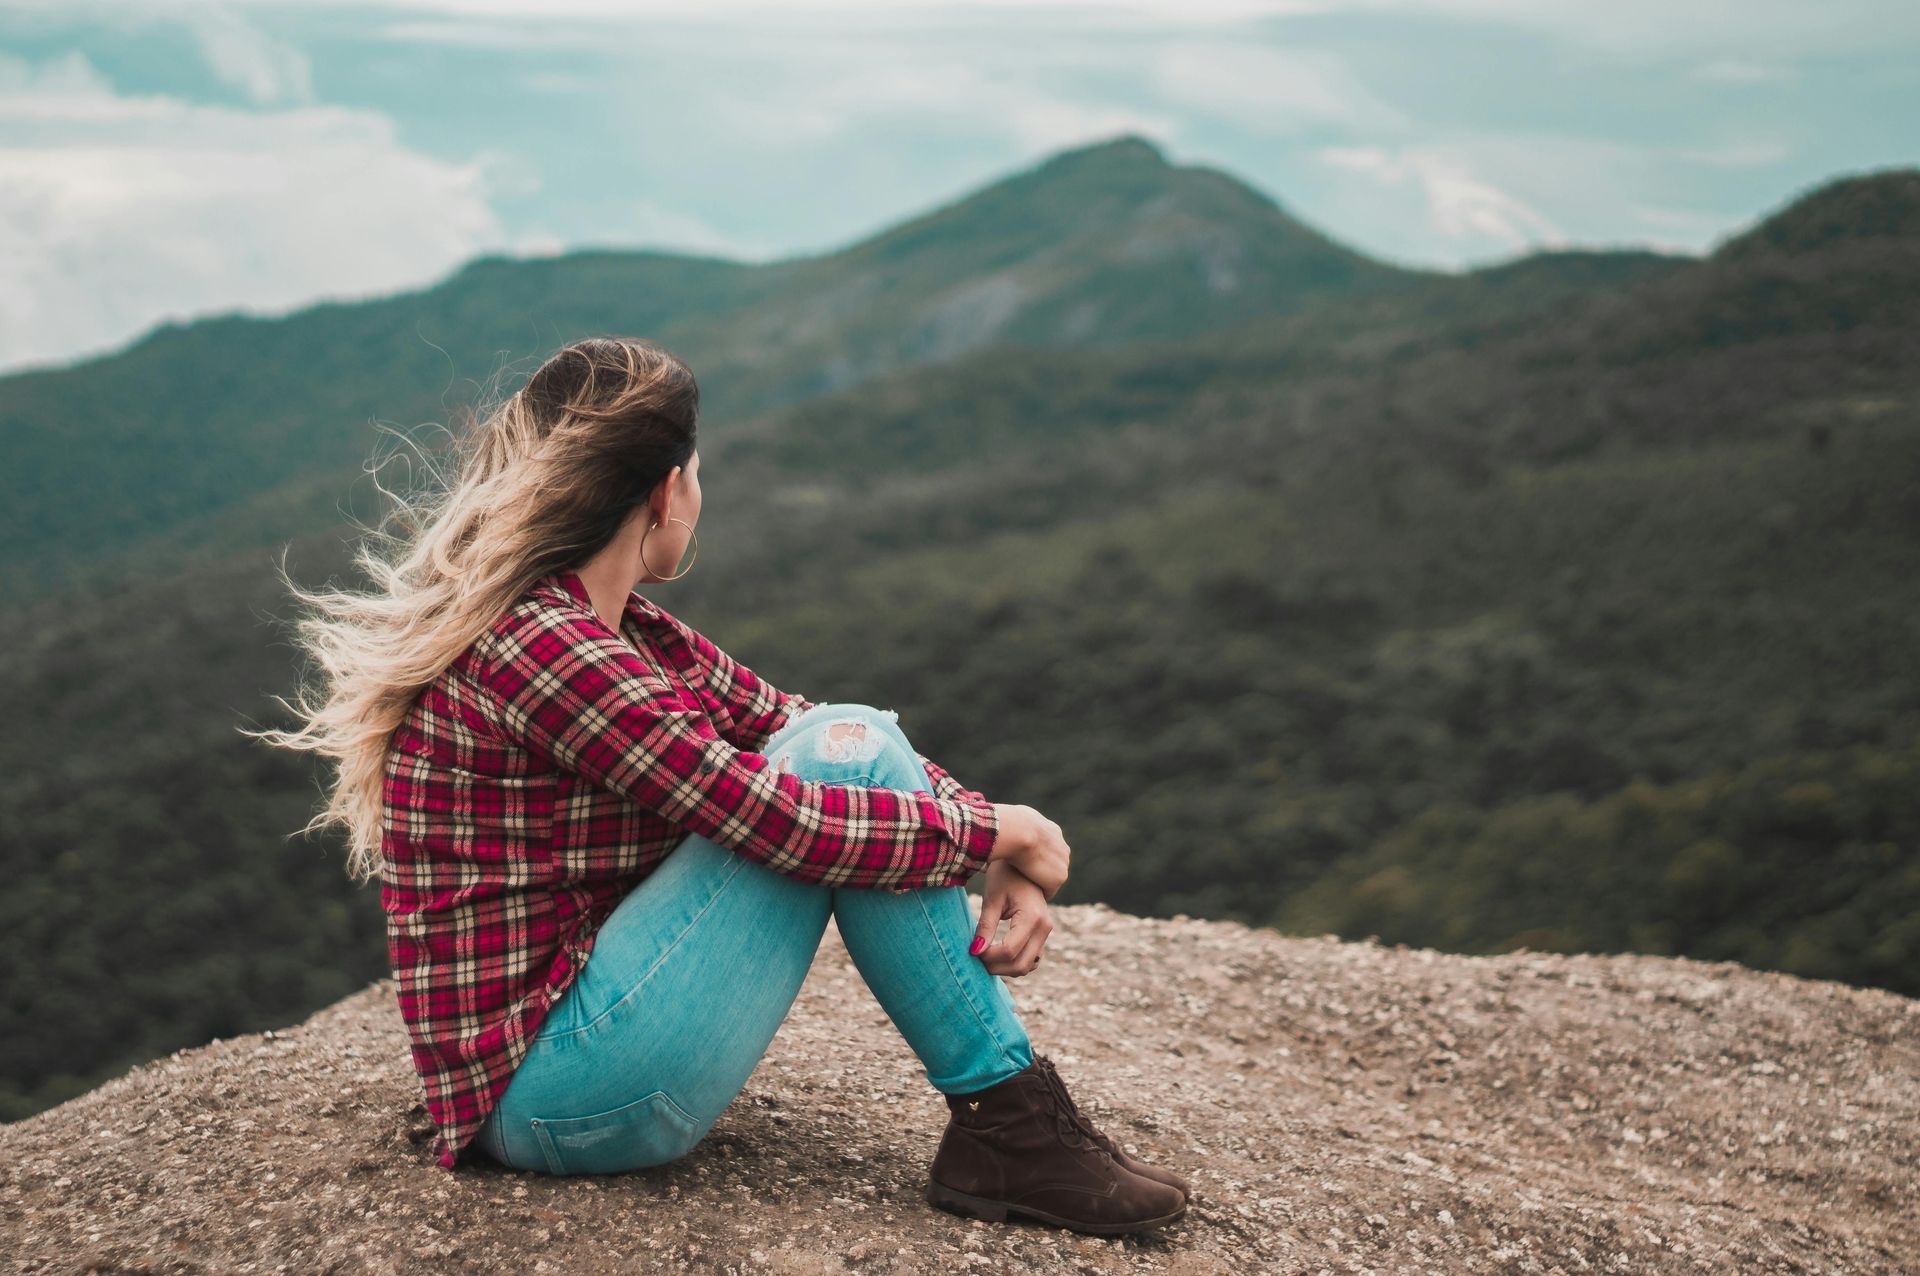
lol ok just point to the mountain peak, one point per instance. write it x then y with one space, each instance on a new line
1124 150
1883 204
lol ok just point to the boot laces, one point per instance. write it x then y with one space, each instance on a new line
1072 1123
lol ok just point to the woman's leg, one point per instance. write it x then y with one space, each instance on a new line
694 971
911 948
689 978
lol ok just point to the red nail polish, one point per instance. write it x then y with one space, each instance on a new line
979 942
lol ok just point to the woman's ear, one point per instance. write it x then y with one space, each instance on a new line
659 505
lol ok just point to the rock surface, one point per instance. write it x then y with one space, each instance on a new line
1338 1107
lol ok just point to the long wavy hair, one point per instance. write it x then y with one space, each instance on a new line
541 481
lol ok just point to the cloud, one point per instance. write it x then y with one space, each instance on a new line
1268 90
120 211
66 78
1677 230
1736 71
1706 27
914 88
508 35
242 55
1751 153
664 229
1460 205
1712 28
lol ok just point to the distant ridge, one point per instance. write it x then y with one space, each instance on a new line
1093 248
1879 205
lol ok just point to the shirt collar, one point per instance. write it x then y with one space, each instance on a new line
638 609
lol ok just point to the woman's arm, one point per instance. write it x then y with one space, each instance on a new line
760 709
573 694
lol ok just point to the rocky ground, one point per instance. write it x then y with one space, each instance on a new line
1338 1107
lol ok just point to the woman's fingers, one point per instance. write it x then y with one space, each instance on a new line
1016 954
992 908
1030 954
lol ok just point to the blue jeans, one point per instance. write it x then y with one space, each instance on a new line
694 970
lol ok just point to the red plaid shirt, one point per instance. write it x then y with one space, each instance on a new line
547 771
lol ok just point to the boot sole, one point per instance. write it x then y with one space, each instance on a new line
989 1210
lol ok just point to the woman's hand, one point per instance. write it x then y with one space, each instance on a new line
1012 896
1031 843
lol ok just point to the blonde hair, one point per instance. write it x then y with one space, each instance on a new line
542 481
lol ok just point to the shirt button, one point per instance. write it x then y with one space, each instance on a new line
709 765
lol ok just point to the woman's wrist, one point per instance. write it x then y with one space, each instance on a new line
1014 834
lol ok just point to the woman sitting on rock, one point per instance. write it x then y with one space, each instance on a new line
608 851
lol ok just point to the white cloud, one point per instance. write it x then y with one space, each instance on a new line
664 229
1267 89
513 34
538 243
67 78
1677 230
1713 28
1460 205
1750 153
564 83
917 88
1737 71
265 69
1184 12
117 212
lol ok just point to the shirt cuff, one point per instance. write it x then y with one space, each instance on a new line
978 834
975 848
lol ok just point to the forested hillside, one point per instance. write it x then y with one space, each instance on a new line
1096 247
1567 604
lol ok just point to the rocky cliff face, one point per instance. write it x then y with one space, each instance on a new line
1338 1107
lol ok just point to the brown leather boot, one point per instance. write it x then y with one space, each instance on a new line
1019 1147
1113 1149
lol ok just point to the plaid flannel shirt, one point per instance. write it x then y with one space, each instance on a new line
549 769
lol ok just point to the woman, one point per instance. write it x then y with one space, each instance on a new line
608 851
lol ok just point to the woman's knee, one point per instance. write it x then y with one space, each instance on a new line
840 732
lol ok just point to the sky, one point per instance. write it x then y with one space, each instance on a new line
163 160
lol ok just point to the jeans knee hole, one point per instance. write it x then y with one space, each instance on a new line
848 740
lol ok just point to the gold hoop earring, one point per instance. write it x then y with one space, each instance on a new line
690 532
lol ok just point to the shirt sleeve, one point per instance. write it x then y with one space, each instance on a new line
945 785
758 708
572 693
761 709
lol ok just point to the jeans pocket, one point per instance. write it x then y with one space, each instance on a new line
651 1130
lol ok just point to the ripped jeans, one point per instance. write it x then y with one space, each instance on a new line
695 969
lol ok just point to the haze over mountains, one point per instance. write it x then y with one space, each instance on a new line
1094 248
1566 604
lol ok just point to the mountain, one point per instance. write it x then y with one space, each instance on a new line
1880 208
1097 246
1335 1106
1094 247
1561 604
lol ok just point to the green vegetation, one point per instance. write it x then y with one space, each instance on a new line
1567 604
